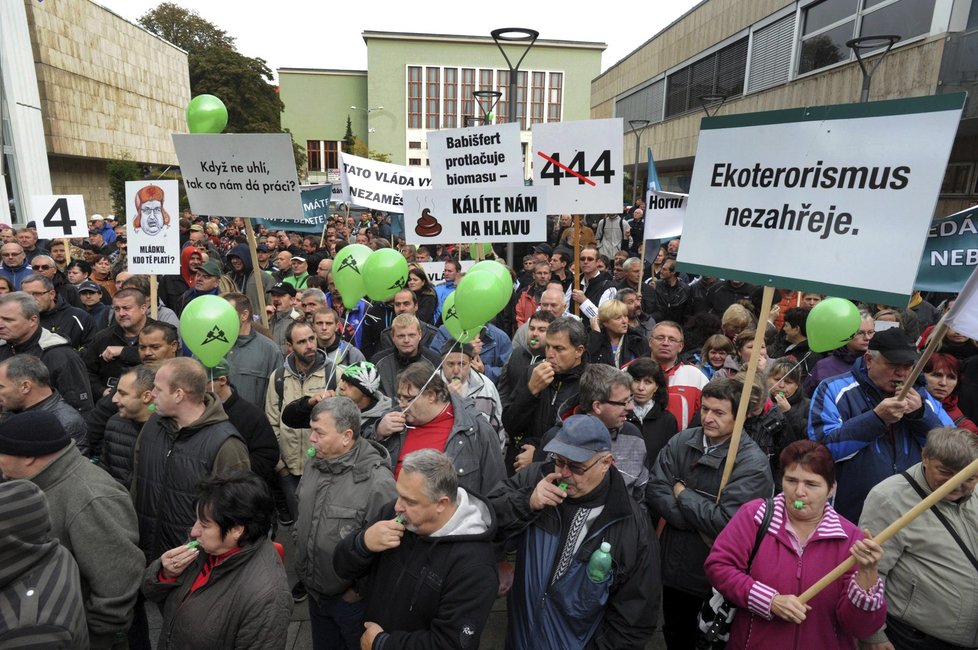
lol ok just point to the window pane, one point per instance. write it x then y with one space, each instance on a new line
908 19
825 13
825 49
677 91
731 69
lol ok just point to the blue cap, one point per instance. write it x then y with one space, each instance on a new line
580 438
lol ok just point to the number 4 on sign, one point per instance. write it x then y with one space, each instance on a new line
577 168
58 217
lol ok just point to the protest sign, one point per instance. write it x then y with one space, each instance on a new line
950 253
436 270
664 214
846 213
315 210
378 185
152 229
57 217
485 156
491 215
580 165
240 174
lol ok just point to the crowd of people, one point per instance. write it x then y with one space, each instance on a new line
568 458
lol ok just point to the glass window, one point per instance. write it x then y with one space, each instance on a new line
468 87
414 144
432 111
823 14
908 18
502 106
556 96
956 178
414 97
331 154
450 102
537 96
414 162
825 49
314 159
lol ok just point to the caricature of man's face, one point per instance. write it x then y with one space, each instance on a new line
151 213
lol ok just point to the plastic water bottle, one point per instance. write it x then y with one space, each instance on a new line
599 565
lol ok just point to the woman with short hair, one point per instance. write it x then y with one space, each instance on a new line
611 340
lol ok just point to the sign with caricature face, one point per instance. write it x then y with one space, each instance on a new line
152 209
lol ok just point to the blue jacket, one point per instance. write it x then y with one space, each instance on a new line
15 274
496 348
443 290
867 450
618 613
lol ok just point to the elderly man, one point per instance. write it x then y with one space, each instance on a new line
27 239
25 385
91 515
683 491
48 266
14 266
437 533
559 512
462 378
350 474
309 302
929 565
553 300
206 283
22 333
841 359
685 381
871 433
406 332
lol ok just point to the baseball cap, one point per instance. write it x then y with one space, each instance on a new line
222 369
89 285
543 248
210 267
581 437
283 288
95 217
197 228
262 248
895 345
298 258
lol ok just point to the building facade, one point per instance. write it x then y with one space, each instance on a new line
743 56
100 88
420 82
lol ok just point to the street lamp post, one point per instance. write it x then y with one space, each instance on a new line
865 44
638 127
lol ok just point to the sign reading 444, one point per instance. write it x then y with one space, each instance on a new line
580 165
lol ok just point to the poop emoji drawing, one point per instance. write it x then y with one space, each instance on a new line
427 225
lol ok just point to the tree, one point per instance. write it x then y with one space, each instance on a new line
185 29
349 140
360 149
119 171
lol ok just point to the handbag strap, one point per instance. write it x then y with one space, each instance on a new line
765 523
940 517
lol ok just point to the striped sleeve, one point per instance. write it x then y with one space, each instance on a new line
759 599
868 601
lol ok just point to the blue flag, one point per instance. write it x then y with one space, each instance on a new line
653 176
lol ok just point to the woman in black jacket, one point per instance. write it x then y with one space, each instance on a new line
424 291
611 340
649 393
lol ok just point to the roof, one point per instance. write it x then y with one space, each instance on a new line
481 40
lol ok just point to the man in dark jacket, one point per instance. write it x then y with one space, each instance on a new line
683 490
47 266
132 397
114 349
673 299
438 551
22 333
187 439
557 528
25 385
57 316
596 286
243 276
407 334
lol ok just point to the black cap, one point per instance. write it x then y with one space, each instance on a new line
895 345
543 248
283 288
32 433
89 285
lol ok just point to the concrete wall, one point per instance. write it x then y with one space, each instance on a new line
317 103
107 87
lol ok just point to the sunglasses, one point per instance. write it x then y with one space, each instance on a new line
575 468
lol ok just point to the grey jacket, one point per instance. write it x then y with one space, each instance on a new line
472 446
93 517
338 496
695 516
252 360
67 415
930 584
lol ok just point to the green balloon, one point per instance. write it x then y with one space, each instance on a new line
473 249
449 316
209 326
479 297
384 273
831 324
499 271
348 273
206 114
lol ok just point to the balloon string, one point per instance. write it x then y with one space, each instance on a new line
793 368
440 364
339 356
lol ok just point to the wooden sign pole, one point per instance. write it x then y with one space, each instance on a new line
577 260
256 271
154 301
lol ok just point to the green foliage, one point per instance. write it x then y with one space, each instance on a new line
349 140
185 28
121 170
360 149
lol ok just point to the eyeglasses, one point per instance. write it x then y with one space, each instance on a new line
406 398
661 338
10 254
38 294
40 267
866 333
574 468
588 259
628 402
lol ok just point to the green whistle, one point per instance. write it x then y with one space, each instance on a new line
798 504
192 544
400 519
563 486
311 452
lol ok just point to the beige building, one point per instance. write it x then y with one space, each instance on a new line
106 89
761 55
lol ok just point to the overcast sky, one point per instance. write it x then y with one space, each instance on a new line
289 34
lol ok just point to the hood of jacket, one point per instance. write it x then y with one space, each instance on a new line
213 414
473 520
366 457
382 406
185 254
242 253
42 338
25 529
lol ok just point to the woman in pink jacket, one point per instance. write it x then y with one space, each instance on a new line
805 540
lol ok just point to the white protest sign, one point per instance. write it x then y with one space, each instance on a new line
436 270
493 214
58 217
378 185
664 214
485 156
580 164
240 174
152 228
833 199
